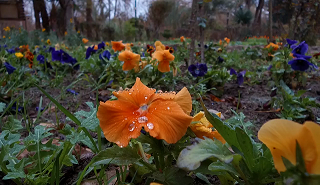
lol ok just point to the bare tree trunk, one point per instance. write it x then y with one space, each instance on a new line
36 14
201 30
53 17
69 14
115 8
109 2
44 15
257 16
270 21
89 18
192 30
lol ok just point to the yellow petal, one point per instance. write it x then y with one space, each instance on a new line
314 129
280 137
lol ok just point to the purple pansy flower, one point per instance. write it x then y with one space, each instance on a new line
101 45
269 68
300 64
106 54
10 68
220 59
240 76
72 91
300 49
290 42
41 59
198 69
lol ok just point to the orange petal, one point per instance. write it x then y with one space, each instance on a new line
117 121
198 116
128 65
168 55
123 56
202 131
279 136
183 98
164 66
138 95
169 121
218 136
314 130
158 55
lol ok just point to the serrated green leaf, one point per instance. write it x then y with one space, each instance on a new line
14 175
12 125
191 157
89 119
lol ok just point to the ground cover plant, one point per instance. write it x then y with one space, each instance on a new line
81 111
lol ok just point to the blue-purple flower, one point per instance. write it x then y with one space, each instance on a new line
220 59
106 54
302 56
10 68
11 51
72 91
101 45
300 49
42 109
240 76
41 59
300 64
291 42
198 69
269 68
90 51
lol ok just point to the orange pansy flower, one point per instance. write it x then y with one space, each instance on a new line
164 115
161 46
280 136
164 57
274 46
182 39
130 60
227 40
220 42
29 56
117 46
204 127
85 41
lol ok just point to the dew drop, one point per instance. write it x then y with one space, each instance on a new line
125 118
168 108
150 126
146 97
130 93
121 146
142 119
131 127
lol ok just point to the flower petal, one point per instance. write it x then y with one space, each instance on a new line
169 121
117 121
164 66
183 98
233 72
279 136
138 95
158 55
314 130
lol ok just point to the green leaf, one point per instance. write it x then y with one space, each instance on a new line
246 147
226 131
190 158
172 176
286 88
14 175
114 155
2 106
89 119
203 177
12 125
221 166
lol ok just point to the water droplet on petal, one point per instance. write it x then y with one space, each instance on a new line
130 93
142 119
121 146
150 126
146 97
168 108
125 118
131 127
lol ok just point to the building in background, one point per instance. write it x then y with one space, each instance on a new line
12 14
